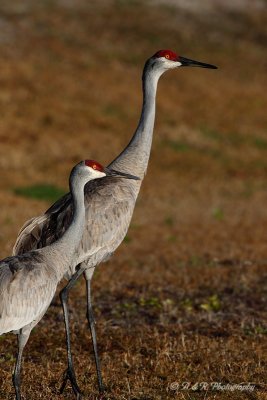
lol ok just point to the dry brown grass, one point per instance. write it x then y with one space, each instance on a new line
183 298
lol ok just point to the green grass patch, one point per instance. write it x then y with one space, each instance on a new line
150 302
218 214
40 192
229 138
127 239
178 145
211 133
169 221
260 143
172 238
254 330
187 305
213 303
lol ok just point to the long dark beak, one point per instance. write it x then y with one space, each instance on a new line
118 174
186 62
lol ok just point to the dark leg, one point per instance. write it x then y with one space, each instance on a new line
69 374
91 321
22 340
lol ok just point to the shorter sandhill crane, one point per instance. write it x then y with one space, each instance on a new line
28 282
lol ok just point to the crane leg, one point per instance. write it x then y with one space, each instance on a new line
91 322
69 373
22 340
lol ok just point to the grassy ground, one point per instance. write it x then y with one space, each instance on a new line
184 297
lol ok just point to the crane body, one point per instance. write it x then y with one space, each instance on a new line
28 281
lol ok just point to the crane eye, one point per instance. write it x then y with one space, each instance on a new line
94 166
167 56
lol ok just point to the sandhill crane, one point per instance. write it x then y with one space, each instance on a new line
109 204
28 281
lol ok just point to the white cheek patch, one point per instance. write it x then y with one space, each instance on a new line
169 64
98 174
173 64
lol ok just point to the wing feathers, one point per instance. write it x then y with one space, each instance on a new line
109 206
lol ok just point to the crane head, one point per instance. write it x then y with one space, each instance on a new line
87 170
168 59
98 168
94 165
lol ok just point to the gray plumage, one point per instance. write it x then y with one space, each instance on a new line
27 286
28 281
108 206
109 203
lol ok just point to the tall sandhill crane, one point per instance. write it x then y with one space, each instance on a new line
28 281
109 204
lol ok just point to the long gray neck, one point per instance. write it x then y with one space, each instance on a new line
134 158
65 248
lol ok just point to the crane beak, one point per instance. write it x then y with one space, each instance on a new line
118 174
186 62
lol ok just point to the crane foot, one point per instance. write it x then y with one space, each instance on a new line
70 376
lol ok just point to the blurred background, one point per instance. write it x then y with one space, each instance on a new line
183 297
